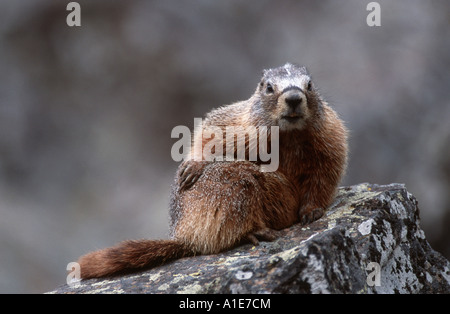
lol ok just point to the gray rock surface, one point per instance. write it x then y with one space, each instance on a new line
369 241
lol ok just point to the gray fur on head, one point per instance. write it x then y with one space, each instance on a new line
287 75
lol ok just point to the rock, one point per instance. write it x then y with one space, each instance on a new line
369 241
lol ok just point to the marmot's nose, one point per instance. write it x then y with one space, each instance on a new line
293 100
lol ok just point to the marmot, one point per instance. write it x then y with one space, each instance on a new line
216 205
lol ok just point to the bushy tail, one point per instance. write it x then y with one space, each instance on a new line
129 256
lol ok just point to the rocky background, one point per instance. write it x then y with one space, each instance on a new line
86 112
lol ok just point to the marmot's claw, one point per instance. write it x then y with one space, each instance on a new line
310 216
189 173
265 234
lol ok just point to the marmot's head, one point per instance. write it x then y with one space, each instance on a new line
288 96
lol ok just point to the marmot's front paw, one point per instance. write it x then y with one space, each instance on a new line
266 234
309 215
189 173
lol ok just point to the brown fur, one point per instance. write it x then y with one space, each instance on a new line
215 205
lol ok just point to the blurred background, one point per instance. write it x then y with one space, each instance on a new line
86 112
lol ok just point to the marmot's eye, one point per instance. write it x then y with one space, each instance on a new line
309 86
269 89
